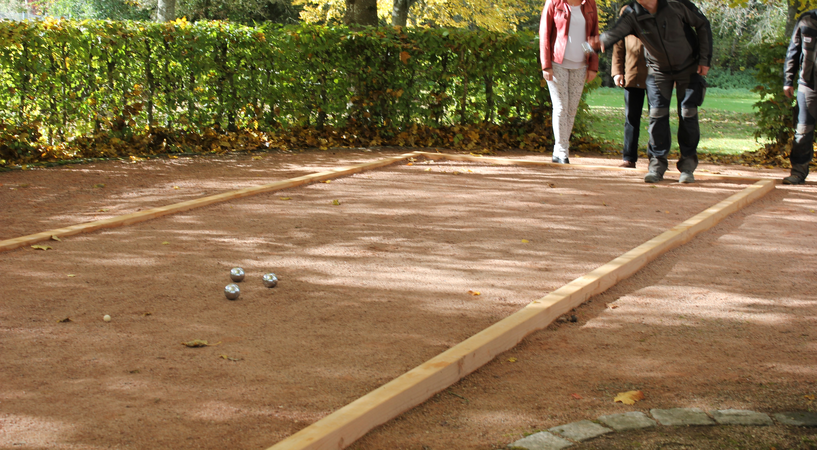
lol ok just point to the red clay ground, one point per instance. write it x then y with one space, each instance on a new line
374 286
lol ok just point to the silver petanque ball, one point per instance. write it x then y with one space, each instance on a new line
237 274
270 280
231 291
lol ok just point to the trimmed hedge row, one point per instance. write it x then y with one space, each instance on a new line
61 80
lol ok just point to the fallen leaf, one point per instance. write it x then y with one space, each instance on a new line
66 320
55 238
41 247
229 358
428 170
165 243
576 396
102 210
512 360
71 275
100 185
410 164
147 314
525 241
551 185
256 158
326 181
173 157
198 343
629 397
612 306
474 292
176 187
285 198
603 204
135 371
336 202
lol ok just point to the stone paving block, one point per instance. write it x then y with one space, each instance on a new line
681 416
541 441
581 430
633 420
740 417
798 419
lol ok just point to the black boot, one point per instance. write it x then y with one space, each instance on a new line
658 165
799 172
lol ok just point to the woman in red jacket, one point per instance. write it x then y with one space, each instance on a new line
565 26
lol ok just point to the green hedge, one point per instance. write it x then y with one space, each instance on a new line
64 80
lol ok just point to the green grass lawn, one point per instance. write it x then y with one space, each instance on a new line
726 120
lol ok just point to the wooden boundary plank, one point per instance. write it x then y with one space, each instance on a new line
344 426
528 162
153 213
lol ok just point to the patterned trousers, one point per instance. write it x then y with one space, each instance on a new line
565 93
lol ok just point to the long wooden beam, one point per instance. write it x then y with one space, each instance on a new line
341 428
528 162
153 213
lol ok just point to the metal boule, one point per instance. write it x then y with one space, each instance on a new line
237 274
231 291
270 280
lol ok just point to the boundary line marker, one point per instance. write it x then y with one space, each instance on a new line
148 214
351 422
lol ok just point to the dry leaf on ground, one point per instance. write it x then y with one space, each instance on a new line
629 397
198 343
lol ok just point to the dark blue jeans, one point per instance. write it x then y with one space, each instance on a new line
690 89
802 150
633 105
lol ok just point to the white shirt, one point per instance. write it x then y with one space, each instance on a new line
574 54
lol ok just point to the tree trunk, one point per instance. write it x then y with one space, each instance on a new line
399 14
166 11
791 17
361 12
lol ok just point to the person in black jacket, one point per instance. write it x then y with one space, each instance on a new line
801 54
678 41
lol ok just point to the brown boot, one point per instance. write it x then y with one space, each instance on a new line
627 164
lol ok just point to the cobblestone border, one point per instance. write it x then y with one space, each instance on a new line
564 436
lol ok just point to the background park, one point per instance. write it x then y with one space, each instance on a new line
114 109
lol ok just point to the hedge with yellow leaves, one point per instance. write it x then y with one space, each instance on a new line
105 89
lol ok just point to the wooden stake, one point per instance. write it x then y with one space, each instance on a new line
153 213
341 428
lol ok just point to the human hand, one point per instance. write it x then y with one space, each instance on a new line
547 74
596 43
618 80
703 70
788 91
591 75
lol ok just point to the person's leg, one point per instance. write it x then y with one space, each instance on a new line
659 92
575 87
558 88
690 93
802 149
633 105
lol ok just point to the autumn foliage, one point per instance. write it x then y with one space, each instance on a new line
112 89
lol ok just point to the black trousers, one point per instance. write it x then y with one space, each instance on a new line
633 105
690 89
802 150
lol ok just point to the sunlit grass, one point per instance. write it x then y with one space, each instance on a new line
726 119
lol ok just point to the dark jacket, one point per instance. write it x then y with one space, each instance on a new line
672 45
802 51
629 62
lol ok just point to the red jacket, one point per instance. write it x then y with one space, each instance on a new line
554 27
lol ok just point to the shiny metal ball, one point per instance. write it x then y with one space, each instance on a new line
231 291
237 274
270 280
